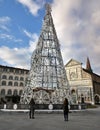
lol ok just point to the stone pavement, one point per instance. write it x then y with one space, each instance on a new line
80 120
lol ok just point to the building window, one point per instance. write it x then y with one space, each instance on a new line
11 70
4 77
16 78
20 92
9 92
21 78
3 92
15 84
10 77
22 71
4 69
15 92
16 71
21 84
27 72
3 83
10 83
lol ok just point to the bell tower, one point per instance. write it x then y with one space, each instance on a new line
88 65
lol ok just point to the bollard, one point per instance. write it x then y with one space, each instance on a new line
79 107
5 106
50 106
15 106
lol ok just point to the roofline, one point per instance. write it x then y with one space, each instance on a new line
13 67
74 60
90 72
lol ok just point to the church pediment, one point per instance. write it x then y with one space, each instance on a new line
72 62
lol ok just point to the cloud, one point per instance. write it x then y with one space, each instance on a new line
32 36
19 57
32 5
96 18
77 23
4 22
9 38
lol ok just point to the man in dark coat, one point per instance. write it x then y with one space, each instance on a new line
66 109
32 108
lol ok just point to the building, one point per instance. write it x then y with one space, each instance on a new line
84 84
12 82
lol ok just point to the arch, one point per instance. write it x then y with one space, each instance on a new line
4 77
2 92
10 77
3 83
21 78
72 91
74 96
16 78
97 99
9 92
9 83
15 92
20 92
21 84
16 84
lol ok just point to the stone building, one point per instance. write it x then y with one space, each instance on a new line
84 84
12 82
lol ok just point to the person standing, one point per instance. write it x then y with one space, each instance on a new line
32 108
65 109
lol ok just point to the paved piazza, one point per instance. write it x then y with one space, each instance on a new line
80 120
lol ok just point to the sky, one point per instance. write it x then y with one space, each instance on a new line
77 23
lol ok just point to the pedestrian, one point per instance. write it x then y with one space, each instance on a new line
65 109
32 108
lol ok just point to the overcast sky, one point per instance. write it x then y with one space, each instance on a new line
77 23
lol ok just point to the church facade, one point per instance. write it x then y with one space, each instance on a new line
84 84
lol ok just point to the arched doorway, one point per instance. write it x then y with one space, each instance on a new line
97 99
74 96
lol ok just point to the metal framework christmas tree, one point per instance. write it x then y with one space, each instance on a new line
47 81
